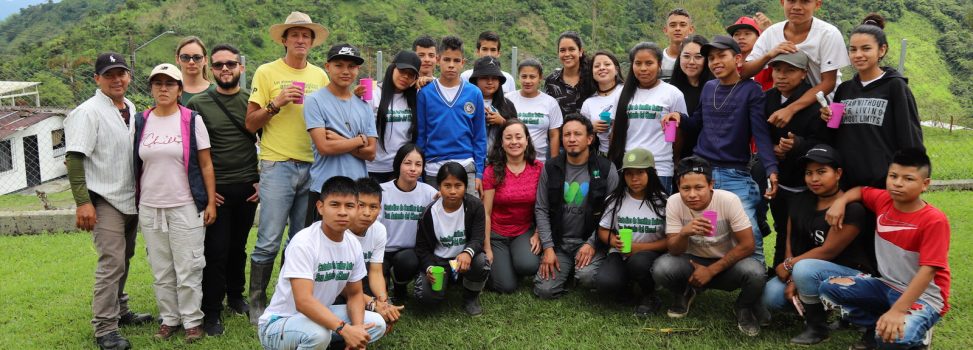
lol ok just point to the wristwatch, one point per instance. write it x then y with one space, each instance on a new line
340 327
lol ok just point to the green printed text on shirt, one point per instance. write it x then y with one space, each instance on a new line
640 224
334 271
531 118
457 239
643 111
402 211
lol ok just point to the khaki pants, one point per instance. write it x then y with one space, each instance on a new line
174 244
114 238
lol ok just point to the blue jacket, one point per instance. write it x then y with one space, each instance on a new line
189 155
452 131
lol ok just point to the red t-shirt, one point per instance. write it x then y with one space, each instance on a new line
513 202
765 78
906 241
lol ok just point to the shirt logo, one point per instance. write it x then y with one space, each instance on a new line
890 225
468 108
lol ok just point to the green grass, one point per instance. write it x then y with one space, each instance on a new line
47 281
60 200
949 152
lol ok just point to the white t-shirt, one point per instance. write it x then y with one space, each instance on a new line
824 45
730 218
508 86
373 243
866 82
164 182
646 226
594 105
401 212
313 256
450 230
449 93
541 114
645 111
668 64
399 118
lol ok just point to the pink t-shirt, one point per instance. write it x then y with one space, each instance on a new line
164 182
513 201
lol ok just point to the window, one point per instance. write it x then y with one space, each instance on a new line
57 142
6 156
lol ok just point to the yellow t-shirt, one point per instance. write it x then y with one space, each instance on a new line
285 135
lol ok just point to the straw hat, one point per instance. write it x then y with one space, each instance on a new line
299 19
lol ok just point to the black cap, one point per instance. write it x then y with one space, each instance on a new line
721 42
407 60
823 154
345 51
487 66
694 164
110 60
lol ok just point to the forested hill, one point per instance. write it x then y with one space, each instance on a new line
55 42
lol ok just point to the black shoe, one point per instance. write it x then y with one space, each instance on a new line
650 304
213 327
762 315
133 319
867 341
238 306
471 303
747 322
400 293
680 306
113 341
816 328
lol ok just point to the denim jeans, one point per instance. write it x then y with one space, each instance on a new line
865 299
666 183
747 275
283 199
807 275
741 184
300 332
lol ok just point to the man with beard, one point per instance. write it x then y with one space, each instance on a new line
235 164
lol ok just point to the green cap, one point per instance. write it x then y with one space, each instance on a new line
638 158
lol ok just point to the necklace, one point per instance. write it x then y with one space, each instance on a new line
727 98
606 92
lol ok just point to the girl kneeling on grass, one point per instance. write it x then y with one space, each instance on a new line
452 228
638 205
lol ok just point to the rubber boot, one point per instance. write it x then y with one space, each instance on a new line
259 278
471 302
816 328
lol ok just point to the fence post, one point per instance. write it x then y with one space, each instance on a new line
902 57
513 64
378 66
243 75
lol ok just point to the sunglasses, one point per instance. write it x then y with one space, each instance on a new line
231 65
185 58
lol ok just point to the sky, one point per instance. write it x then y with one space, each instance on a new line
9 7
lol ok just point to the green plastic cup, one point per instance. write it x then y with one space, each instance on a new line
438 276
625 235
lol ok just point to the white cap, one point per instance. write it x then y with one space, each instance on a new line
168 69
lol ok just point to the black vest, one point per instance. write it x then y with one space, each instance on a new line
598 169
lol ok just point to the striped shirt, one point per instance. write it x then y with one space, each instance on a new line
96 129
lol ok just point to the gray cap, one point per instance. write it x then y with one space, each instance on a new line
798 59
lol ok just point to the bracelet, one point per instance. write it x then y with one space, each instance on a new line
370 306
340 328
272 109
787 265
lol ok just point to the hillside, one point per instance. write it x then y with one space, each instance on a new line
55 43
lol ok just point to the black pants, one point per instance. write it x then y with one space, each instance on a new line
226 247
473 280
402 266
779 208
759 175
382 177
312 210
616 273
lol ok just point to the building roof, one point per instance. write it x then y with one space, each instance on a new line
14 119
14 86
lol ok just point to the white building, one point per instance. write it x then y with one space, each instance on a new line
32 147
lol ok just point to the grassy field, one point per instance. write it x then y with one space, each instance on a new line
47 281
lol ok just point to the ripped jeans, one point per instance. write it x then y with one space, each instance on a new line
808 275
863 300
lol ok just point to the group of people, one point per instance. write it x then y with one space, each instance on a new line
658 179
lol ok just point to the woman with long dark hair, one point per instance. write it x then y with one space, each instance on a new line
395 116
538 110
638 204
606 78
644 101
567 84
509 193
490 79
689 76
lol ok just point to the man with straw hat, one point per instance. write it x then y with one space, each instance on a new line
276 106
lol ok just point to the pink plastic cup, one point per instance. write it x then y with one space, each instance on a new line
299 84
367 83
711 216
837 110
670 131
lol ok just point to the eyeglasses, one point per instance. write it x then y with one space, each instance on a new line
158 84
696 57
231 65
185 58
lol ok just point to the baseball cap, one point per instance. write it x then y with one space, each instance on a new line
638 158
720 42
345 51
110 60
693 164
798 59
407 60
823 154
167 69
744 22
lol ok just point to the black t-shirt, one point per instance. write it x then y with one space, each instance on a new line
809 230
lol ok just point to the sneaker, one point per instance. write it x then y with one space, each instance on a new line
213 327
747 322
113 341
133 319
194 334
238 306
165 332
650 304
680 306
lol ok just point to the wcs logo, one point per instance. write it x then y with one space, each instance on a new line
574 193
